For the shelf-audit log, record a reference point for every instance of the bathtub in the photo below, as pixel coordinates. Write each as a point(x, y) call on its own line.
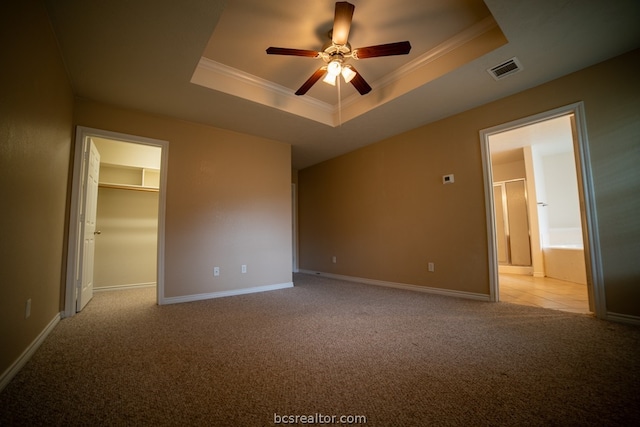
point(565, 262)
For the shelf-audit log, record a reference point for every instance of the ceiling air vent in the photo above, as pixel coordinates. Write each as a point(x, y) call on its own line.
point(505, 69)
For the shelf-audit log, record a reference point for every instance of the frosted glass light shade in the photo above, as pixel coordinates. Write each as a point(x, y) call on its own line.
point(348, 73)
point(330, 78)
point(334, 68)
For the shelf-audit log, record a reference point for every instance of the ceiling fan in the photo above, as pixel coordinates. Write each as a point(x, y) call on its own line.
point(339, 50)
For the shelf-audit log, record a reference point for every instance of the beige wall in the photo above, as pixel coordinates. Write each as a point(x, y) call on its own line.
point(126, 249)
point(228, 201)
point(509, 170)
point(383, 211)
point(35, 144)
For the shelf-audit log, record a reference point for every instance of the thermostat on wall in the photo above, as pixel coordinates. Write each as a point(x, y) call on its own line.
point(447, 179)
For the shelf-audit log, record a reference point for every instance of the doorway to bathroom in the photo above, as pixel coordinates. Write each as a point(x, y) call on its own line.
point(539, 213)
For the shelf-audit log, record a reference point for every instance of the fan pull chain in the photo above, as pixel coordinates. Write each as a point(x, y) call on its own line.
point(339, 103)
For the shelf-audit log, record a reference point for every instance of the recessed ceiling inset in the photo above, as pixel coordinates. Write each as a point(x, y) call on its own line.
point(444, 34)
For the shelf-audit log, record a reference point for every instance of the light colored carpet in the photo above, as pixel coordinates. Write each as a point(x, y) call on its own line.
point(398, 357)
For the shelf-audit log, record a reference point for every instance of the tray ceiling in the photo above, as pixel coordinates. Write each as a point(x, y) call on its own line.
point(444, 35)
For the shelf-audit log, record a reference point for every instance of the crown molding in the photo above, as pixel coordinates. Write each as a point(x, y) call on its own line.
point(426, 59)
point(217, 76)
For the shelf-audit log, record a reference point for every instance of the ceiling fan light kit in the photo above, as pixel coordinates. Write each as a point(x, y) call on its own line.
point(339, 50)
point(334, 67)
point(330, 79)
point(347, 73)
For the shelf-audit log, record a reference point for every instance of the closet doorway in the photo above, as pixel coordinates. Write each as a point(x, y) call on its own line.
point(127, 215)
point(129, 233)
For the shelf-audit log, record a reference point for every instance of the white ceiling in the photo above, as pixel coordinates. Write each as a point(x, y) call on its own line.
point(143, 54)
point(550, 137)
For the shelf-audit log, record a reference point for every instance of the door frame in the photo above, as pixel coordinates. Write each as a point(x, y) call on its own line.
point(294, 226)
point(73, 245)
point(591, 237)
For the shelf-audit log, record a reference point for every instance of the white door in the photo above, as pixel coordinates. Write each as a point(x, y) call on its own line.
point(87, 234)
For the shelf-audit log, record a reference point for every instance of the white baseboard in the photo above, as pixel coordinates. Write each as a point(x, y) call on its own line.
point(425, 289)
point(221, 294)
point(15, 367)
point(122, 287)
point(623, 318)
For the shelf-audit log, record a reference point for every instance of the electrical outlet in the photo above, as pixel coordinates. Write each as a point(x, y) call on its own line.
point(216, 271)
point(431, 267)
point(27, 309)
point(244, 268)
point(334, 259)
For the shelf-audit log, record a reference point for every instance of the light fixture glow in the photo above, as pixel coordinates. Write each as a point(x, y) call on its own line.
point(330, 78)
point(334, 68)
point(348, 73)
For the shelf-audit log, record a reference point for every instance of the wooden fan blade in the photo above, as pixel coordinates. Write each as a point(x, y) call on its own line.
point(342, 22)
point(292, 52)
point(311, 81)
point(360, 84)
point(390, 49)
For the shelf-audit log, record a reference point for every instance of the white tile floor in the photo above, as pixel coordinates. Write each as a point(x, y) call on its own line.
point(544, 292)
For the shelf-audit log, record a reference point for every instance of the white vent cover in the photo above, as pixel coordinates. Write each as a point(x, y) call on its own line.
point(505, 69)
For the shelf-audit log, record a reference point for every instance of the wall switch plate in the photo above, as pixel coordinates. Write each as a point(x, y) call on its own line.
point(244, 268)
point(216, 271)
point(334, 259)
point(431, 266)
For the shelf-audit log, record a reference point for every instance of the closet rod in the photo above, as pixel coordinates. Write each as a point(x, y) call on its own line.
point(129, 187)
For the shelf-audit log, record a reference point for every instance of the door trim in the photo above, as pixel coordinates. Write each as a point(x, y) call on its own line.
point(583, 160)
point(82, 133)
point(294, 226)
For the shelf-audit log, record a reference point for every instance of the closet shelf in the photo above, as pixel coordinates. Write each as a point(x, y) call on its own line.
point(129, 178)
point(128, 187)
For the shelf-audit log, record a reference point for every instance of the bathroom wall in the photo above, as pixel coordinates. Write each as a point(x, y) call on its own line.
point(563, 225)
